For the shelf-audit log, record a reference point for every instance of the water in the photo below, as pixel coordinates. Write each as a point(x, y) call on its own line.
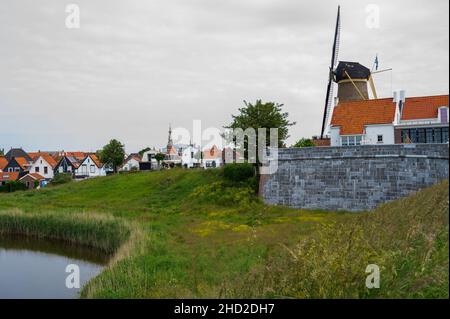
point(36, 269)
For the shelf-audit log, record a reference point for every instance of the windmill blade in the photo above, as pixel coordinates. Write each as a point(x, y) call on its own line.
point(334, 58)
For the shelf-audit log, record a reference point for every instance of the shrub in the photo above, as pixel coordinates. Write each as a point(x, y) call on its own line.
point(239, 172)
point(219, 193)
point(13, 186)
point(61, 178)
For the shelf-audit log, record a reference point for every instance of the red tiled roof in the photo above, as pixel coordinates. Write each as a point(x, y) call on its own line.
point(22, 161)
point(353, 116)
point(172, 151)
point(3, 162)
point(47, 157)
point(35, 176)
point(212, 153)
point(8, 176)
point(424, 107)
point(96, 160)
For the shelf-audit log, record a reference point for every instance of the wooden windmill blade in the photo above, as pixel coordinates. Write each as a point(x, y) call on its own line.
point(334, 58)
point(372, 86)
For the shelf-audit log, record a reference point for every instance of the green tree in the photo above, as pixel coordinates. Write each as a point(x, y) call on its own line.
point(262, 115)
point(304, 142)
point(2, 152)
point(159, 158)
point(141, 152)
point(112, 154)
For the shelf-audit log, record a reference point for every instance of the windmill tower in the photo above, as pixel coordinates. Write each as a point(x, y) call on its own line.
point(352, 79)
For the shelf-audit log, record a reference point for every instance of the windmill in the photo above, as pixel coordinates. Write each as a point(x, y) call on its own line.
point(334, 57)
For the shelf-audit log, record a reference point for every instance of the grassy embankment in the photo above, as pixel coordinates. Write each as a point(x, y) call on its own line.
point(190, 234)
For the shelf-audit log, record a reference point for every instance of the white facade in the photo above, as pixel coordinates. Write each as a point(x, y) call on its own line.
point(131, 164)
point(379, 134)
point(190, 157)
point(88, 168)
point(372, 135)
point(42, 167)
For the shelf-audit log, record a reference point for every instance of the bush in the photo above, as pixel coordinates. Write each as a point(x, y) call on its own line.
point(219, 193)
point(239, 172)
point(12, 187)
point(61, 178)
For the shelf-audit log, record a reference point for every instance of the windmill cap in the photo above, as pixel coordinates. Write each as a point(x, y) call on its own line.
point(354, 69)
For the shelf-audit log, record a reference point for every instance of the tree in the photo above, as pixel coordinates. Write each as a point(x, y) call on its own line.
point(262, 115)
point(304, 142)
point(113, 154)
point(159, 158)
point(141, 152)
point(2, 152)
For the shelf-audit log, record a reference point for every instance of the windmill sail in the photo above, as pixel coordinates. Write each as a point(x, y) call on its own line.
point(334, 58)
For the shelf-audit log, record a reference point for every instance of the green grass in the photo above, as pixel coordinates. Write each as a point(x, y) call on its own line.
point(182, 233)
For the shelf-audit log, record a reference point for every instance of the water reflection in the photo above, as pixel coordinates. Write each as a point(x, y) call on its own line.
point(31, 268)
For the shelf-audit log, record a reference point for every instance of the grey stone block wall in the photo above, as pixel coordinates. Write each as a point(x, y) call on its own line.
point(353, 178)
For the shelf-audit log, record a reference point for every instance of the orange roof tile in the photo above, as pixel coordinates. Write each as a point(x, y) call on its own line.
point(424, 107)
point(96, 160)
point(37, 176)
point(47, 157)
point(22, 161)
point(212, 153)
point(9, 176)
point(3, 162)
point(353, 116)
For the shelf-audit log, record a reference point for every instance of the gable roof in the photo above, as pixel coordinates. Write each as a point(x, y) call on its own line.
point(9, 176)
point(3, 162)
point(35, 176)
point(69, 160)
point(21, 161)
point(353, 116)
point(134, 156)
point(424, 107)
point(50, 160)
point(212, 153)
point(17, 152)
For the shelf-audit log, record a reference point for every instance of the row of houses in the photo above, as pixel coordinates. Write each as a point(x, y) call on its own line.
point(38, 168)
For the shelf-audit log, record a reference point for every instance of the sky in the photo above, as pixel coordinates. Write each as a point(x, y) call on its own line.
point(133, 67)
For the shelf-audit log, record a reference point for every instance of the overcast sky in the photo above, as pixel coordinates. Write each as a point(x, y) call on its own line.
point(134, 66)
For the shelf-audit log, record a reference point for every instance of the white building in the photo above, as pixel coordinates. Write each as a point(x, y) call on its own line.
point(43, 165)
point(131, 163)
point(90, 167)
point(212, 158)
point(390, 121)
point(190, 157)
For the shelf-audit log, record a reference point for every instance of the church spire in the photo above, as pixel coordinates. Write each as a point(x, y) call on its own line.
point(169, 141)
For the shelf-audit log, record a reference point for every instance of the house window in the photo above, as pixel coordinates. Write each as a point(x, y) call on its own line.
point(379, 138)
point(36, 169)
point(445, 134)
point(45, 170)
point(351, 140)
point(61, 169)
point(425, 135)
point(92, 169)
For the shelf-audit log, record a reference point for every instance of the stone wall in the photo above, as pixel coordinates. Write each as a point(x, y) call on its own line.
point(353, 178)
